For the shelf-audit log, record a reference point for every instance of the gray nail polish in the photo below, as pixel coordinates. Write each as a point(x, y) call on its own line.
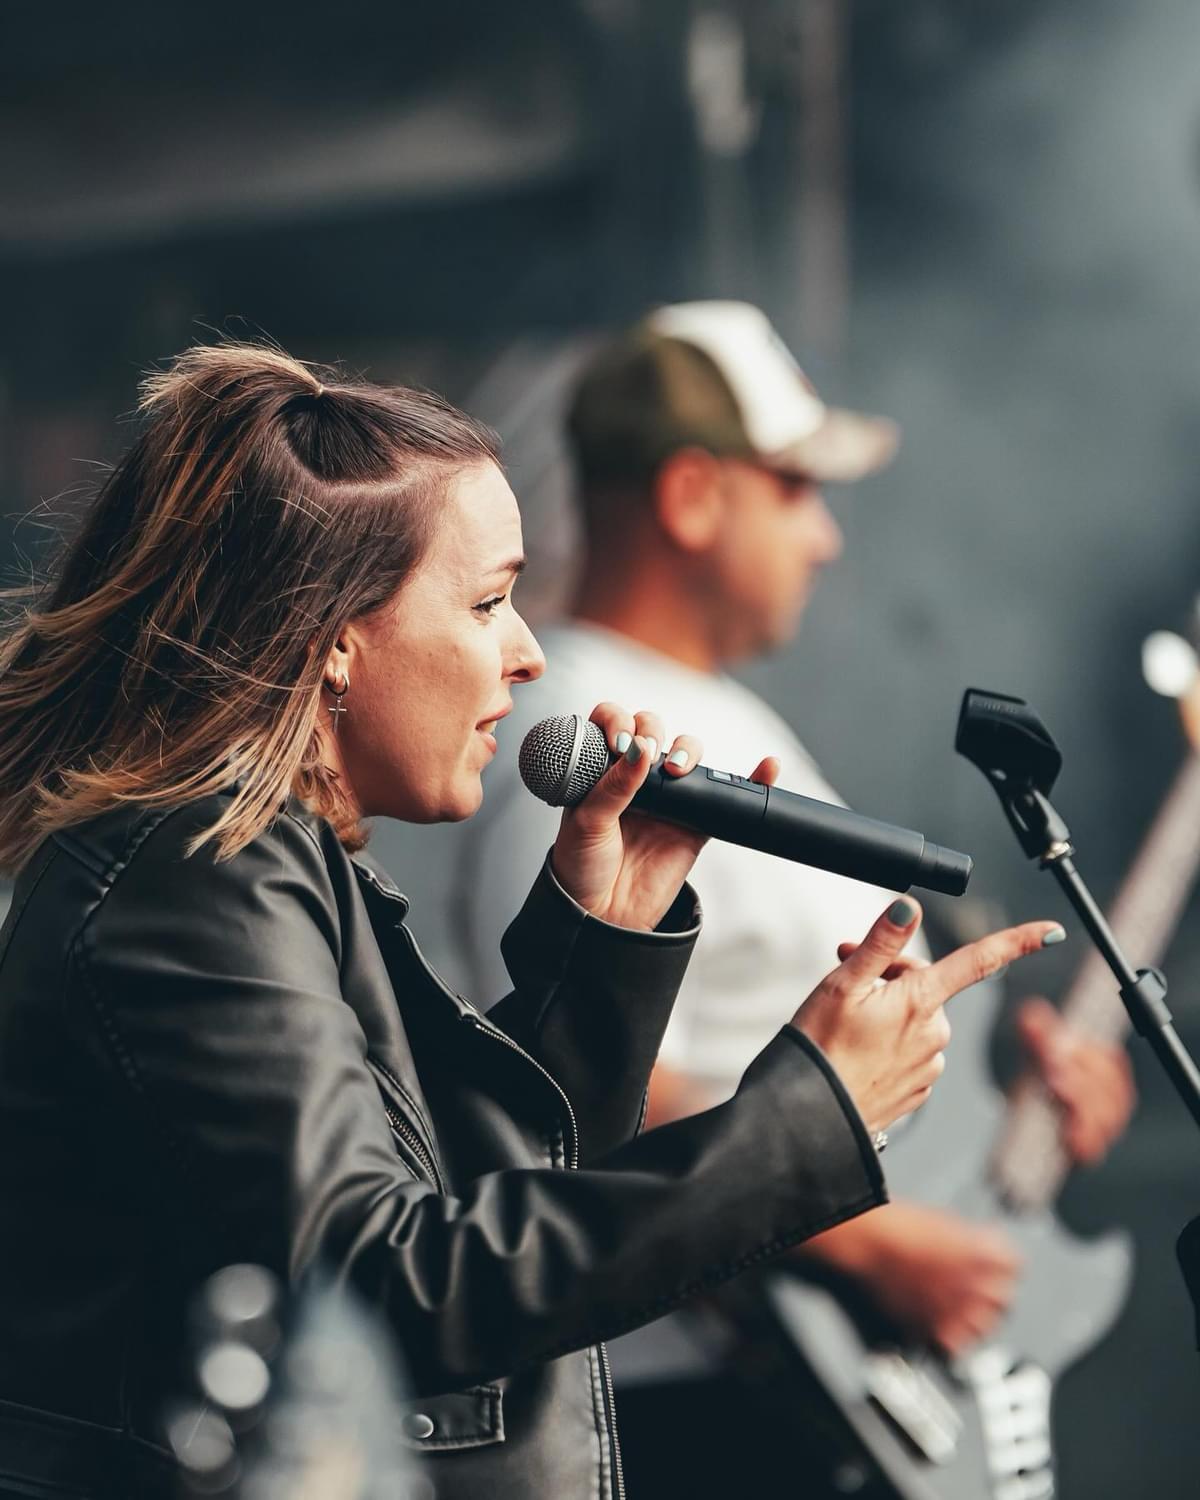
point(652, 748)
point(677, 758)
point(901, 913)
point(624, 740)
point(634, 753)
point(1055, 935)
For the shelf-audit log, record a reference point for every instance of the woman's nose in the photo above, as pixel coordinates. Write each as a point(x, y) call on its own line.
point(526, 661)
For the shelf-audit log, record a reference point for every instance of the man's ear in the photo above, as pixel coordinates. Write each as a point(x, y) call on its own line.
point(688, 502)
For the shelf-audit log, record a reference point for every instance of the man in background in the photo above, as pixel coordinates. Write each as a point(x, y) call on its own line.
point(701, 450)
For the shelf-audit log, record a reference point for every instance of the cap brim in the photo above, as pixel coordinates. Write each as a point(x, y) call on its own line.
point(847, 446)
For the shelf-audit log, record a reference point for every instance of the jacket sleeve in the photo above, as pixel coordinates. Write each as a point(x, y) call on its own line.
point(209, 996)
point(591, 1003)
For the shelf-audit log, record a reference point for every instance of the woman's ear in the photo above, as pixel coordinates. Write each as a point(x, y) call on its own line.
point(337, 661)
point(688, 502)
point(336, 678)
point(342, 660)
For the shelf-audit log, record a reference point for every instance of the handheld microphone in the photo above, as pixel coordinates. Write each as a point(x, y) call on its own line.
point(563, 757)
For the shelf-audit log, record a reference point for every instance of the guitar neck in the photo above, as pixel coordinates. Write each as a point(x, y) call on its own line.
point(1029, 1165)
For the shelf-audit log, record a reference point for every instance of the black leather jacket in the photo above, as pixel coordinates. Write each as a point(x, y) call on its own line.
point(206, 1062)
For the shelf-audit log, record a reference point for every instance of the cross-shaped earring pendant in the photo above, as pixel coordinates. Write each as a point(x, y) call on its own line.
point(338, 694)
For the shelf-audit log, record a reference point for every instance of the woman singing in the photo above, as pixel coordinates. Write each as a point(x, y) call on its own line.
point(290, 611)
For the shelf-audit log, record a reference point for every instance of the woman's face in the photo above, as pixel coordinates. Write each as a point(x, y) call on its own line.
point(432, 671)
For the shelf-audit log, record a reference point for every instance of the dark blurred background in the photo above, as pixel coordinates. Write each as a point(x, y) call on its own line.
point(980, 218)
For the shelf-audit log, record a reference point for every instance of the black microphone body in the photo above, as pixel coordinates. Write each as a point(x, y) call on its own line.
point(562, 758)
point(783, 823)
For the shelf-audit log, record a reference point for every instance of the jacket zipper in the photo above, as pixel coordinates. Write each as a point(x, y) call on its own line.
point(407, 1133)
point(494, 1031)
point(406, 1130)
point(480, 1024)
point(415, 1144)
point(610, 1399)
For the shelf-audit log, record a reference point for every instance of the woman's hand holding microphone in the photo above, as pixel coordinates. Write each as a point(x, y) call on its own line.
point(615, 862)
point(878, 1017)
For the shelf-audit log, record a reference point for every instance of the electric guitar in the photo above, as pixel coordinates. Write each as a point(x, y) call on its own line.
point(920, 1425)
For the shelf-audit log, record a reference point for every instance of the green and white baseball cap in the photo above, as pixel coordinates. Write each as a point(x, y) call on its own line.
point(714, 375)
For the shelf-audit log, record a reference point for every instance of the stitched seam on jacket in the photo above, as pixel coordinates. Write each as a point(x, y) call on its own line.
point(83, 963)
point(866, 1149)
point(41, 1419)
point(14, 914)
point(495, 1434)
point(558, 980)
point(649, 938)
point(111, 1036)
point(648, 1311)
point(110, 873)
point(80, 854)
point(110, 1032)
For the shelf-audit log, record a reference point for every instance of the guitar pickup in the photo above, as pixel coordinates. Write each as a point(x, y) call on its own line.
point(909, 1397)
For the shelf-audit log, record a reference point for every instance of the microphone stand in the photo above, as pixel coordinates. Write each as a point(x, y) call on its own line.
point(1013, 749)
point(1143, 991)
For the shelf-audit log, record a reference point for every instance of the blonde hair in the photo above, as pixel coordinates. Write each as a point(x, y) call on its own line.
point(178, 649)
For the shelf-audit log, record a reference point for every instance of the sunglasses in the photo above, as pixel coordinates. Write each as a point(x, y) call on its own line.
point(795, 485)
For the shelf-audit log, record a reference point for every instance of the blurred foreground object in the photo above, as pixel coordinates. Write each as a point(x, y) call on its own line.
point(294, 1402)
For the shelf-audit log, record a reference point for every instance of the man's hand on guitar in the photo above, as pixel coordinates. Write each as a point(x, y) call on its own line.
point(1092, 1081)
point(938, 1277)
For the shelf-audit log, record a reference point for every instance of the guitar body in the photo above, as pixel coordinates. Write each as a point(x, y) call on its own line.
point(978, 1429)
point(1071, 1291)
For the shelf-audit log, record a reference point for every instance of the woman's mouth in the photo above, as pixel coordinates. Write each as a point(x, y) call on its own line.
point(488, 727)
point(488, 730)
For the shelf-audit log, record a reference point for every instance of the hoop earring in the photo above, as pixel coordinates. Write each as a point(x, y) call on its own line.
point(338, 694)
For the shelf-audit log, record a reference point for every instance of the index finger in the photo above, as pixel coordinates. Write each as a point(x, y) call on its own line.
point(968, 965)
point(766, 773)
point(879, 950)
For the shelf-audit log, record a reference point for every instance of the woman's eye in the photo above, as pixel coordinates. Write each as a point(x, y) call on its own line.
point(488, 606)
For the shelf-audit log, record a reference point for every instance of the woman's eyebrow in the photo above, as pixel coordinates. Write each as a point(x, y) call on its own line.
point(515, 566)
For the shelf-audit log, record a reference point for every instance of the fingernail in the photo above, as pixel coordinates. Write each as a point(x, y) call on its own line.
point(624, 740)
point(634, 753)
point(677, 758)
point(1055, 935)
point(901, 913)
point(651, 748)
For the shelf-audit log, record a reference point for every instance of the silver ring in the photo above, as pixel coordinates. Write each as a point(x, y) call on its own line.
point(879, 1140)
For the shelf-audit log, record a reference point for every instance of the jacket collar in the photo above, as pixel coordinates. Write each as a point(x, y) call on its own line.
point(367, 868)
point(372, 874)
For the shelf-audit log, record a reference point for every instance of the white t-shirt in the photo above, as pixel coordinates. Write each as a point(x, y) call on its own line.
point(771, 928)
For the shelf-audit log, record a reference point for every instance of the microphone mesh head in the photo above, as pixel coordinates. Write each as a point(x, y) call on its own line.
point(559, 763)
